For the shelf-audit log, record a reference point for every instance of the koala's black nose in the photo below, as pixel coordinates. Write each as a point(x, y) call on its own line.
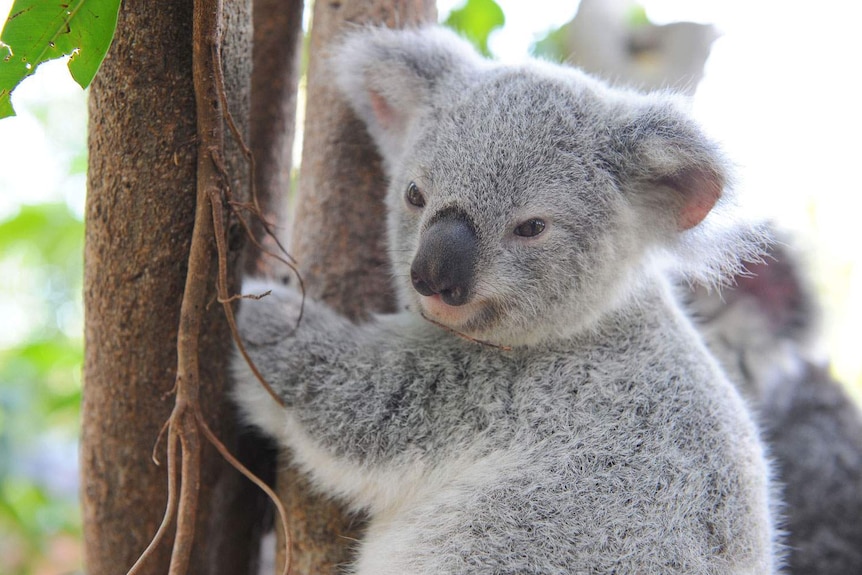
point(446, 260)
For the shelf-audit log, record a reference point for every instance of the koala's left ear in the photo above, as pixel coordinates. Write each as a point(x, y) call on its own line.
point(389, 78)
point(668, 164)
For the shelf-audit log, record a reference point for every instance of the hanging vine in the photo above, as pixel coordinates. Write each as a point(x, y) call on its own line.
point(186, 424)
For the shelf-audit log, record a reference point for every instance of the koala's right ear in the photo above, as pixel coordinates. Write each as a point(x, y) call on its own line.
point(390, 78)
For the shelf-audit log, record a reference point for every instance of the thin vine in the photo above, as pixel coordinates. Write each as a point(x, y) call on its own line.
point(186, 422)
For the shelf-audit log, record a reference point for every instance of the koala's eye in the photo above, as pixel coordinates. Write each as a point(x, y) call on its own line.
point(414, 196)
point(530, 228)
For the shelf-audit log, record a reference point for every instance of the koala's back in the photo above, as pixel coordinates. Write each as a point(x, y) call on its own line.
point(612, 455)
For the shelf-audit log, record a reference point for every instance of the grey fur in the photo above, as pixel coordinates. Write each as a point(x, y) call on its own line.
point(762, 333)
point(606, 440)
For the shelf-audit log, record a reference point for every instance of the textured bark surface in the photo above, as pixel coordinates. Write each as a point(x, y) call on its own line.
point(277, 52)
point(338, 241)
point(140, 213)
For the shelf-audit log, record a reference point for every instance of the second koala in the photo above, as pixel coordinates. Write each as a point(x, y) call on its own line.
point(558, 414)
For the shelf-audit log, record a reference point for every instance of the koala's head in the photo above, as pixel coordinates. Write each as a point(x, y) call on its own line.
point(522, 200)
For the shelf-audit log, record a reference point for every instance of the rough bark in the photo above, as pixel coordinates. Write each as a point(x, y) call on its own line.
point(338, 242)
point(140, 214)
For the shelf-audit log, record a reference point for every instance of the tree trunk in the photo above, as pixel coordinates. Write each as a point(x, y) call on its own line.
point(338, 242)
point(140, 214)
point(277, 51)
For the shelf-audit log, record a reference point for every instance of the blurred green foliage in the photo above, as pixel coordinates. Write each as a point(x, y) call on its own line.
point(41, 353)
point(43, 162)
point(553, 47)
point(475, 20)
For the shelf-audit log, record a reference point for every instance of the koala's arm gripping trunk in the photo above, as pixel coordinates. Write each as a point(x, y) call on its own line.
point(345, 385)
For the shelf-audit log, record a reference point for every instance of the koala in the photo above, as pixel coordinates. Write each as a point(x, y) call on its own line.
point(541, 404)
point(762, 332)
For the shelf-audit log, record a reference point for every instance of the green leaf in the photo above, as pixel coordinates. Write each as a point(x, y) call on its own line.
point(553, 46)
point(40, 30)
point(476, 19)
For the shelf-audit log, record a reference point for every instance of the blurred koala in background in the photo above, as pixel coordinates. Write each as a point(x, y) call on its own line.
point(614, 40)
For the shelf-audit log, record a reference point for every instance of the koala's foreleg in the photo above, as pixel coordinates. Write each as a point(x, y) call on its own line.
point(346, 417)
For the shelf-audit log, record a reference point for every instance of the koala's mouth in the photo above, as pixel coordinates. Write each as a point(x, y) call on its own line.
point(472, 318)
point(452, 315)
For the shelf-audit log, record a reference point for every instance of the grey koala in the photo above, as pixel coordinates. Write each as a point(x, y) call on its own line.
point(762, 331)
point(542, 405)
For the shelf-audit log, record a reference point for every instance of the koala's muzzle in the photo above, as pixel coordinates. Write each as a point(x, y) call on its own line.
point(446, 260)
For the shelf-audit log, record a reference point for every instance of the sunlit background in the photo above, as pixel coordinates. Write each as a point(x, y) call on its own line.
point(781, 91)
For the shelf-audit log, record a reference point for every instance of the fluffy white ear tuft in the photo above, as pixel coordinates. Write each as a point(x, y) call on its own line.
point(665, 163)
point(679, 183)
point(390, 78)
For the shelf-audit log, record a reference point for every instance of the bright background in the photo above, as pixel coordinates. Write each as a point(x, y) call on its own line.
point(781, 91)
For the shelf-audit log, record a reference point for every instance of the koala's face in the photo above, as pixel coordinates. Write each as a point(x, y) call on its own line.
point(503, 216)
point(521, 200)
